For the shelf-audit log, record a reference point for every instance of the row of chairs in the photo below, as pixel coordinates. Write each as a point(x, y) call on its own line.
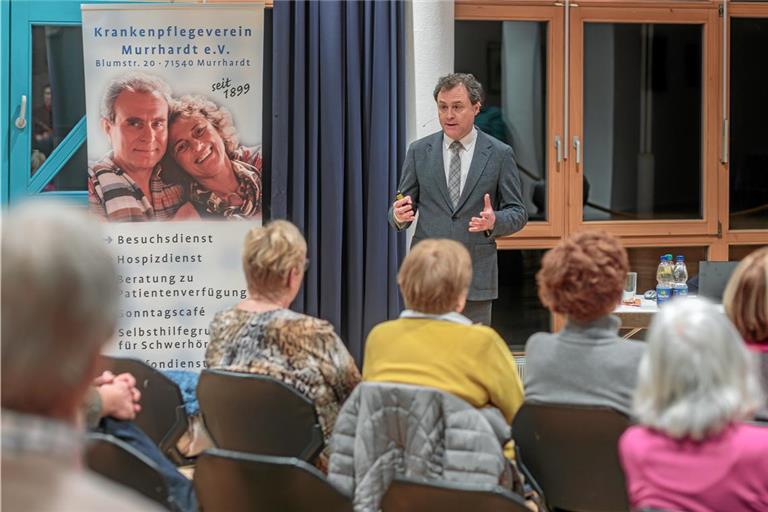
point(228, 481)
point(163, 416)
point(233, 481)
point(570, 451)
point(234, 406)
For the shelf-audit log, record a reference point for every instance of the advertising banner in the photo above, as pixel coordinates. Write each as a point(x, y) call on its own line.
point(174, 120)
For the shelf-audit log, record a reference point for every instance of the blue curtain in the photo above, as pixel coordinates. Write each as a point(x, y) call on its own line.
point(338, 139)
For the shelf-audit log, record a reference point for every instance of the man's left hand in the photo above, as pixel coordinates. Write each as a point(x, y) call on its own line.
point(486, 220)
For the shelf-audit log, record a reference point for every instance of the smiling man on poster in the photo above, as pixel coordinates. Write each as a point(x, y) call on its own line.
point(465, 185)
point(126, 185)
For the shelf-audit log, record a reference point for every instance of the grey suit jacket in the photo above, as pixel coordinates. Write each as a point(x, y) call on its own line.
point(493, 170)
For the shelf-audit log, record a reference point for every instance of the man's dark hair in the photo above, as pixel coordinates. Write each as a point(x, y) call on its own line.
point(448, 82)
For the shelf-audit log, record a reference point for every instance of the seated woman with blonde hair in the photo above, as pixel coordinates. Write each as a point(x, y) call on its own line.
point(586, 362)
point(746, 304)
point(261, 335)
point(433, 345)
point(691, 449)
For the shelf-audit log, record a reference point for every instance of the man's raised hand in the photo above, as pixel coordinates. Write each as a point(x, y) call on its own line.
point(487, 218)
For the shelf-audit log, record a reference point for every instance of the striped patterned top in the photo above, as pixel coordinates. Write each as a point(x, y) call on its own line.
point(113, 195)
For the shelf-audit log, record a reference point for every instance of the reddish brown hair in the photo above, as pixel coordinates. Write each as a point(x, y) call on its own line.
point(583, 276)
point(746, 297)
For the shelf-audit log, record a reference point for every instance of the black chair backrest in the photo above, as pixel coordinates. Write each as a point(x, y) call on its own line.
point(120, 462)
point(713, 277)
point(162, 416)
point(253, 413)
point(229, 481)
point(572, 452)
point(411, 495)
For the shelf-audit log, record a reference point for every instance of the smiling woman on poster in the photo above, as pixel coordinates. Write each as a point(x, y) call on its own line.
point(224, 178)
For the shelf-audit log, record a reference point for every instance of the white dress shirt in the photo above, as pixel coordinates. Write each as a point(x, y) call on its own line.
point(466, 156)
point(454, 317)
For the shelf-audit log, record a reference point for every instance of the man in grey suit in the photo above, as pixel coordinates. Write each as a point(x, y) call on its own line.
point(466, 186)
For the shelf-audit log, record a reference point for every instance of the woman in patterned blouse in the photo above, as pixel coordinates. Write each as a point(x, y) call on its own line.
point(261, 335)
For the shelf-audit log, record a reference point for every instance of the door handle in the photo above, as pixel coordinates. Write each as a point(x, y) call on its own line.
point(577, 147)
point(21, 121)
point(558, 149)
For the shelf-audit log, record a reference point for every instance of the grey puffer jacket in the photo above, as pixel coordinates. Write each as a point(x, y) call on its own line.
point(387, 430)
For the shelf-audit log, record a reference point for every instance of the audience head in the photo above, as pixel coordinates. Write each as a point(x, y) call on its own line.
point(274, 259)
point(434, 278)
point(583, 276)
point(60, 304)
point(746, 297)
point(696, 376)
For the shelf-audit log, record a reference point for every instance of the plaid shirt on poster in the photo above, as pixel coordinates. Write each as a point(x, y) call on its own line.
point(113, 195)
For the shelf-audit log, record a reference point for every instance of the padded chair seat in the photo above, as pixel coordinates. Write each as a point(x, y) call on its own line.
point(228, 481)
point(572, 452)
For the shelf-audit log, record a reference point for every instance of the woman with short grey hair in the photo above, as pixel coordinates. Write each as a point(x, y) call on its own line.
point(697, 384)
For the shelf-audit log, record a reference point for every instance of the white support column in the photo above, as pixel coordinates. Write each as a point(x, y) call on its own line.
point(429, 39)
point(429, 55)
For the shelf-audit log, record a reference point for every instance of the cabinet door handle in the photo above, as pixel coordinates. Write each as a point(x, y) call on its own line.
point(21, 121)
point(577, 147)
point(558, 149)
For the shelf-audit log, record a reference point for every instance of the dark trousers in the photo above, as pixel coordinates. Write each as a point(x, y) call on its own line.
point(479, 311)
point(180, 488)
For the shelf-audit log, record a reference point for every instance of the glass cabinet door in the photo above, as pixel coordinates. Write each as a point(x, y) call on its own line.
point(517, 56)
point(748, 148)
point(643, 123)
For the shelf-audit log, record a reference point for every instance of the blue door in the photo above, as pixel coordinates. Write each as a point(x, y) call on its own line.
point(46, 100)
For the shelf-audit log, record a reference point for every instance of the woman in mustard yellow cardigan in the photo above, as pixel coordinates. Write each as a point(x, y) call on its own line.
point(433, 345)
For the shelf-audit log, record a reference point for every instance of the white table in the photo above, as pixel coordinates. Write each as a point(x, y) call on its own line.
point(636, 318)
point(639, 317)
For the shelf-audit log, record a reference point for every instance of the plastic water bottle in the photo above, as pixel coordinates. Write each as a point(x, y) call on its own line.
point(680, 278)
point(664, 280)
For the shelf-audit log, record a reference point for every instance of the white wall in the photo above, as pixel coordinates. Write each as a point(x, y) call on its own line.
point(429, 47)
point(429, 55)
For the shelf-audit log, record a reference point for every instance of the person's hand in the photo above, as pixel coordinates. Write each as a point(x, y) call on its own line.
point(487, 218)
point(105, 378)
point(186, 212)
point(402, 210)
point(130, 381)
point(117, 401)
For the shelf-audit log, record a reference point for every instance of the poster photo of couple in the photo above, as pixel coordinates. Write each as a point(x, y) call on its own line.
point(163, 141)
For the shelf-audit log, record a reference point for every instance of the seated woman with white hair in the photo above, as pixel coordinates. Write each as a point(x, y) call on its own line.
point(697, 384)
